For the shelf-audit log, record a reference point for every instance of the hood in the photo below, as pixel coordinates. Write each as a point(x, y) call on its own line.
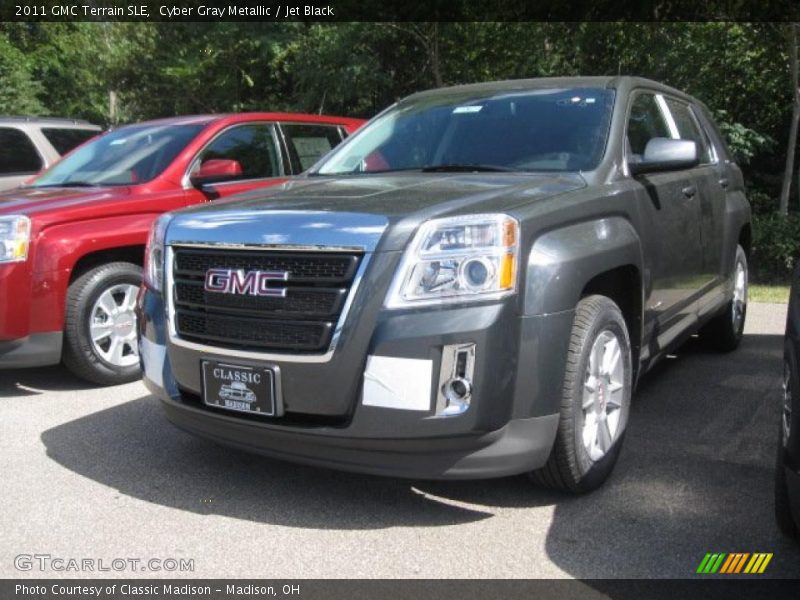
point(33, 201)
point(356, 211)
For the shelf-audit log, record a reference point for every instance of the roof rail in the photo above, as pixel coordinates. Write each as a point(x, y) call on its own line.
point(44, 119)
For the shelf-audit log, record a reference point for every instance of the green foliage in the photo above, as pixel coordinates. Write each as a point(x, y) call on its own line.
point(743, 142)
point(70, 62)
point(776, 246)
point(343, 69)
point(761, 202)
point(740, 70)
point(19, 92)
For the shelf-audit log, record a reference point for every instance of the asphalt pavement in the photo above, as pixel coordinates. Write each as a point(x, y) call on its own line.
point(99, 474)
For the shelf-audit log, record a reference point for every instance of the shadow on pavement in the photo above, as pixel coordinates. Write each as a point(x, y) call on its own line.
point(694, 476)
point(133, 448)
point(38, 380)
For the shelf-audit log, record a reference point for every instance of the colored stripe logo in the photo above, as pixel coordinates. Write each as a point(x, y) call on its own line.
point(734, 563)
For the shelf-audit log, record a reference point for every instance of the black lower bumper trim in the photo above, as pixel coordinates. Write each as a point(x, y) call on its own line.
point(522, 445)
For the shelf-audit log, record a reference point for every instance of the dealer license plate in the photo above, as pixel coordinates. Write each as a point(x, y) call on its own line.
point(239, 388)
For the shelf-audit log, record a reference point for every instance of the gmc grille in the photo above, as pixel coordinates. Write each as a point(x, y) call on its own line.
point(303, 321)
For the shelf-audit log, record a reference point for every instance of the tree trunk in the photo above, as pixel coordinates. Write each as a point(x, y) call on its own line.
point(790, 150)
point(112, 107)
point(433, 54)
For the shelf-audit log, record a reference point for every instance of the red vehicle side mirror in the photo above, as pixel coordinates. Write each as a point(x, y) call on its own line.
point(216, 169)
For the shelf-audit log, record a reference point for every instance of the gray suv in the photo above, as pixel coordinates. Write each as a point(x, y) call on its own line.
point(468, 287)
point(30, 144)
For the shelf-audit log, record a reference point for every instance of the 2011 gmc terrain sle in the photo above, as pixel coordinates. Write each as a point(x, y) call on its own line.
point(468, 287)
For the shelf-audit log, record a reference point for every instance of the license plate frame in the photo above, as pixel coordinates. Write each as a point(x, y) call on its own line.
point(239, 388)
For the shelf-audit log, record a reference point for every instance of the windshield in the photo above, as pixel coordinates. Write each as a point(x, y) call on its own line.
point(126, 156)
point(531, 130)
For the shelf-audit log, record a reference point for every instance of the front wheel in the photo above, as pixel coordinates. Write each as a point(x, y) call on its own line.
point(100, 324)
point(595, 402)
point(724, 332)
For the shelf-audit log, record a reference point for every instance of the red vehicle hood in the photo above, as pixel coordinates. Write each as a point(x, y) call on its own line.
point(33, 201)
point(51, 205)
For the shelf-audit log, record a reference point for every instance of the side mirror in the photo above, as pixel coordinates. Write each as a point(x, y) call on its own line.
point(666, 154)
point(214, 170)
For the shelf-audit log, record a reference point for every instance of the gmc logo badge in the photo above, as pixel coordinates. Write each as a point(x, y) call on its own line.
point(252, 283)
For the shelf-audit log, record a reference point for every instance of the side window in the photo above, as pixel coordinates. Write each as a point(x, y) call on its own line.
point(687, 127)
point(308, 143)
point(64, 140)
point(18, 155)
point(252, 146)
point(645, 123)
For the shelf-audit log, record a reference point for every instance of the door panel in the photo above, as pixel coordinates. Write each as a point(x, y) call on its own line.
point(671, 210)
point(675, 277)
point(707, 177)
point(712, 209)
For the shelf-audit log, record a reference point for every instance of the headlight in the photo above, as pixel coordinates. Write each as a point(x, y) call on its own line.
point(458, 259)
point(15, 237)
point(154, 253)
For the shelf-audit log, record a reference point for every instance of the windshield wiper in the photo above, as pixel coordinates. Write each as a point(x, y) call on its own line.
point(68, 184)
point(359, 172)
point(466, 168)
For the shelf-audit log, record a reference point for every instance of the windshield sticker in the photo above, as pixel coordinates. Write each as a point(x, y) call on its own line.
point(466, 109)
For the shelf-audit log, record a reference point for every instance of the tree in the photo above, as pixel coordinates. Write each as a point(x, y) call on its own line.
point(19, 92)
point(792, 37)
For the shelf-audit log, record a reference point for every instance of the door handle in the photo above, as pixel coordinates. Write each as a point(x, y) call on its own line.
point(724, 182)
point(689, 191)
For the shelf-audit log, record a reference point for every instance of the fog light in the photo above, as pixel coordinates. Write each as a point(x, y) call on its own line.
point(455, 380)
point(457, 389)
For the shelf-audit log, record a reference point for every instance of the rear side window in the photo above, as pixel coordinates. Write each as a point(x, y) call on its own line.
point(308, 143)
point(687, 127)
point(64, 140)
point(645, 123)
point(18, 155)
point(252, 146)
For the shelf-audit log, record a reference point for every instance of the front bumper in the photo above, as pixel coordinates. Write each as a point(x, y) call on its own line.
point(31, 316)
point(520, 446)
point(35, 350)
point(508, 429)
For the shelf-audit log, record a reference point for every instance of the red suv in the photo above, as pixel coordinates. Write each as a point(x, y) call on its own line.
point(72, 240)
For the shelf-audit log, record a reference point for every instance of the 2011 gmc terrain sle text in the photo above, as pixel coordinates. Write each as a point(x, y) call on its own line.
point(468, 287)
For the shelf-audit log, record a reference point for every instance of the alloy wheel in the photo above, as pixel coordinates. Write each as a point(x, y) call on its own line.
point(739, 295)
point(603, 395)
point(112, 326)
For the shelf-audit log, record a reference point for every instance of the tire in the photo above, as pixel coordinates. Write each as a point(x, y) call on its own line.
point(724, 332)
point(783, 509)
point(99, 344)
point(580, 460)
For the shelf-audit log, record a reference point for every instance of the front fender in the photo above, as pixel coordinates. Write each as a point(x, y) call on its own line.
point(58, 248)
point(562, 261)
